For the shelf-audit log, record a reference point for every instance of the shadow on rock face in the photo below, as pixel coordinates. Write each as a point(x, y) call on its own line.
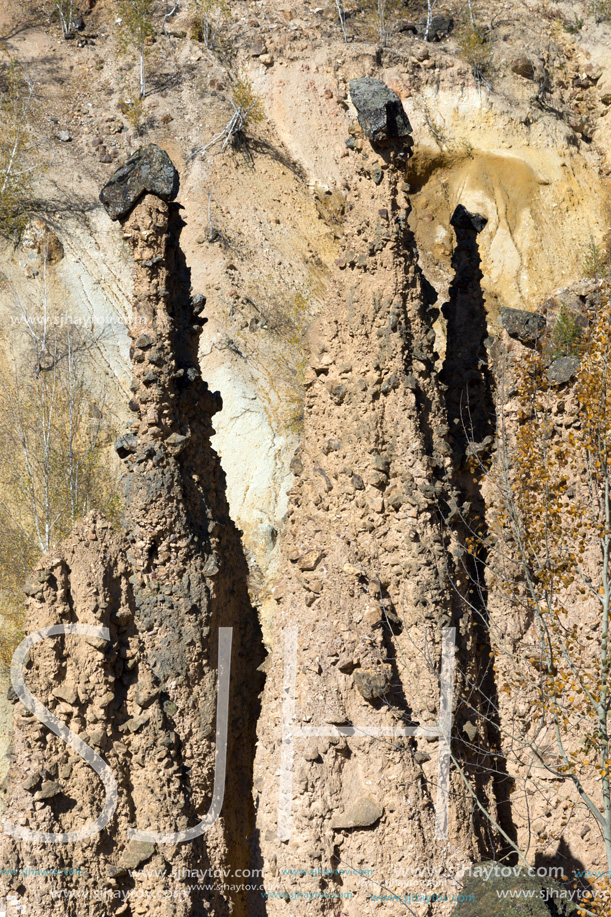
point(465, 369)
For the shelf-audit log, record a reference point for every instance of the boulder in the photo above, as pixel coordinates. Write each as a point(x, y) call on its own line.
point(97, 734)
point(177, 441)
point(526, 67)
point(441, 26)
point(48, 790)
point(482, 890)
point(380, 110)
point(310, 561)
point(562, 370)
point(126, 444)
point(373, 683)
point(526, 327)
point(604, 88)
point(32, 783)
point(66, 693)
point(135, 854)
point(258, 48)
point(149, 170)
point(364, 813)
point(135, 723)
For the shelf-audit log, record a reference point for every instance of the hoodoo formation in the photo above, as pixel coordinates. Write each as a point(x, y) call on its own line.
point(304, 423)
point(365, 590)
point(171, 590)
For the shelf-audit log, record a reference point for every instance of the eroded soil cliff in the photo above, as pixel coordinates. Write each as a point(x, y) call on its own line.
point(406, 247)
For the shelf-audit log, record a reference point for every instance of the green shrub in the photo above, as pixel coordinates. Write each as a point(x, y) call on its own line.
point(600, 9)
point(246, 101)
point(574, 27)
point(19, 164)
point(133, 109)
point(567, 336)
point(474, 48)
point(267, 328)
point(208, 21)
point(596, 260)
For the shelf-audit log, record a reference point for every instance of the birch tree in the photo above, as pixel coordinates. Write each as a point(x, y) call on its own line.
point(54, 436)
point(67, 13)
point(18, 163)
point(430, 6)
point(135, 32)
point(209, 18)
point(380, 12)
point(341, 13)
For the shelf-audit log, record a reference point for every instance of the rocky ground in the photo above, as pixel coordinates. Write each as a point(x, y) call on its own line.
point(335, 510)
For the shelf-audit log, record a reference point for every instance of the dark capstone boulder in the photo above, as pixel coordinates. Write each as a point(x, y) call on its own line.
point(526, 327)
point(562, 370)
point(488, 891)
point(380, 110)
point(148, 170)
point(441, 26)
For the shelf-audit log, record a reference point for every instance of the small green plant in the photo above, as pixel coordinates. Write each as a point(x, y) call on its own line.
point(574, 27)
point(208, 21)
point(18, 163)
point(596, 260)
point(133, 109)
point(136, 32)
point(246, 101)
point(600, 10)
point(474, 48)
point(567, 336)
point(466, 149)
point(247, 110)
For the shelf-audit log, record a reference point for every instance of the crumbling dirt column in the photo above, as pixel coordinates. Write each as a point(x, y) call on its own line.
point(143, 697)
point(366, 570)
